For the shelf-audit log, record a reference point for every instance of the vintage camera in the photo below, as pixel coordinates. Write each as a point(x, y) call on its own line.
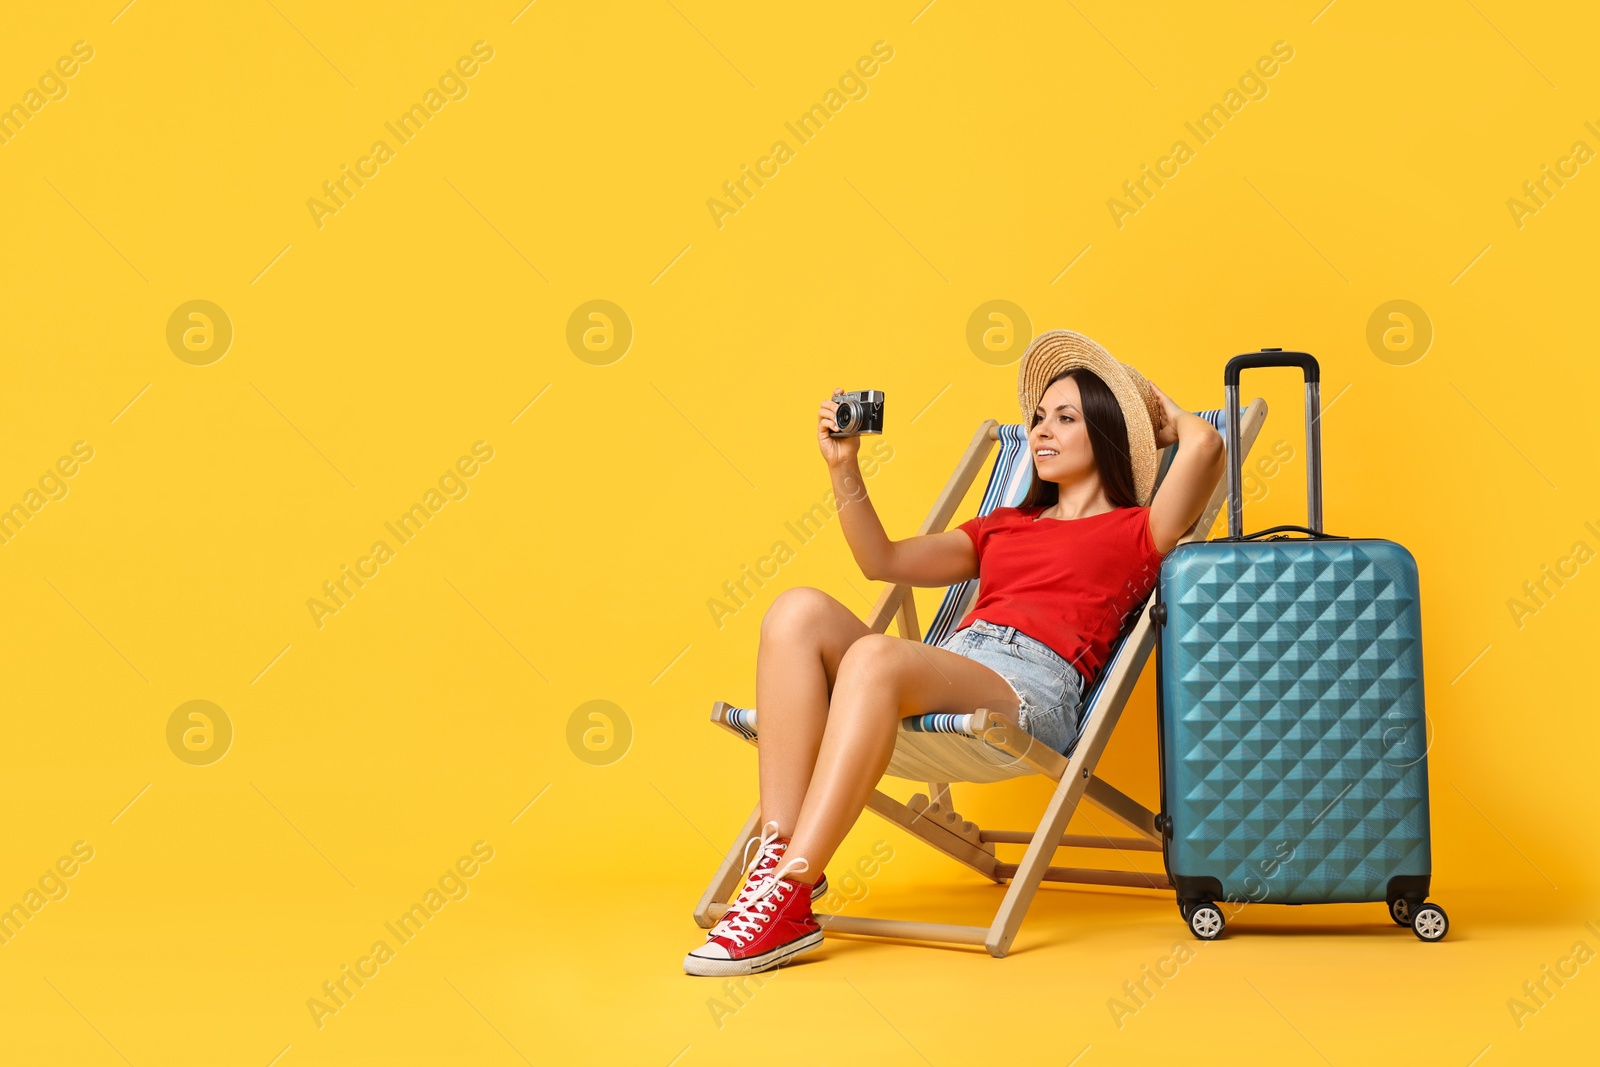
point(859, 412)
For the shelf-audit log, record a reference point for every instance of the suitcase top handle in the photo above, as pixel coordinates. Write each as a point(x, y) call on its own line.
point(1272, 357)
point(1275, 357)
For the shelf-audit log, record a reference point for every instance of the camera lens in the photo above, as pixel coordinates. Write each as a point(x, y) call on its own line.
point(844, 416)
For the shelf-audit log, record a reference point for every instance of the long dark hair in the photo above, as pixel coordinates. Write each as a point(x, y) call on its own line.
point(1108, 437)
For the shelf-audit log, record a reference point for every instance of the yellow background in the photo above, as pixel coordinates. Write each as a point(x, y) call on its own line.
point(368, 354)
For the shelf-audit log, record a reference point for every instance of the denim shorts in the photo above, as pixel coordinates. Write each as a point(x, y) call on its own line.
point(1049, 689)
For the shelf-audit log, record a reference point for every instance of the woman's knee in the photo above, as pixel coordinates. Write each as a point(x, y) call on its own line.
point(801, 610)
point(874, 660)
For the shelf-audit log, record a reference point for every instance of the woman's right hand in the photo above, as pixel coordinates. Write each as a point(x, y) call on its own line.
point(838, 451)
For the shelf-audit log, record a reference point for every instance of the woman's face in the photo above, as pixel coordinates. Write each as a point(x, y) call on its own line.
point(1059, 439)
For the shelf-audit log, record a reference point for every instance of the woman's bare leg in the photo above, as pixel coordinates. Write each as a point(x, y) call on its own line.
point(881, 679)
point(804, 636)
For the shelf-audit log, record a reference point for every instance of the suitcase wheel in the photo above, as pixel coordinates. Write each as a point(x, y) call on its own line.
point(1430, 923)
point(1400, 911)
point(1206, 921)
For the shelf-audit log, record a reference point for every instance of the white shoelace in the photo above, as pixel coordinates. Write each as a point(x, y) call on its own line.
point(769, 834)
point(745, 918)
point(765, 847)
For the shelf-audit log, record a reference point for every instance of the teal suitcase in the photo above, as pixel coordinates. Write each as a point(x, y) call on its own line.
point(1291, 725)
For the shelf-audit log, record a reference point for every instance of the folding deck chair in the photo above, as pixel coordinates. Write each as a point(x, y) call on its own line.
point(943, 747)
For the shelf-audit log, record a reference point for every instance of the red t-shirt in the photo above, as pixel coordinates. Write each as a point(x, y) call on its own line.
point(1066, 582)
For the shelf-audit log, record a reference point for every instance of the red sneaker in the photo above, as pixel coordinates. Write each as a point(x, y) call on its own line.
point(769, 850)
point(769, 930)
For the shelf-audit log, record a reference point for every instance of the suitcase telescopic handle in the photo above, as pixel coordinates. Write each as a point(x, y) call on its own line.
point(1275, 357)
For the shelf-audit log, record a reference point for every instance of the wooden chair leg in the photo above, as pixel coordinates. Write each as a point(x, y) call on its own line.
point(1068, 793)
point(728, 874)
point(1031, 871)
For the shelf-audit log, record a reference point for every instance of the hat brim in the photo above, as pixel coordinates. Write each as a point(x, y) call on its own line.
point(1058, 350)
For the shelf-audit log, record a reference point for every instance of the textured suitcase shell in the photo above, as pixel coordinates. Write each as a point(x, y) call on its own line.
point(1292, 725)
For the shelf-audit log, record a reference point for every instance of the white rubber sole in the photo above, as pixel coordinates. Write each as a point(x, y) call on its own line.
point(715, 968)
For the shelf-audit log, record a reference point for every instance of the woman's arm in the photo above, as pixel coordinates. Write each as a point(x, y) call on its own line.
point(1192, 477)
point(926, 560)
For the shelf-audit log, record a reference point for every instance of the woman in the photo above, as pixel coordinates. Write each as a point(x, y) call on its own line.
point(1058, 575)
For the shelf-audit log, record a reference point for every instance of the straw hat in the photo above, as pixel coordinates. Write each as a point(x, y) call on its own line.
point(1059, 350)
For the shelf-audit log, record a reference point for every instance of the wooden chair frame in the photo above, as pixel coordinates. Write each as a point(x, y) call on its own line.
point(932, 818)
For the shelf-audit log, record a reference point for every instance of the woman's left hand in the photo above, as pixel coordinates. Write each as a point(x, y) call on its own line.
point(1167, 432)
